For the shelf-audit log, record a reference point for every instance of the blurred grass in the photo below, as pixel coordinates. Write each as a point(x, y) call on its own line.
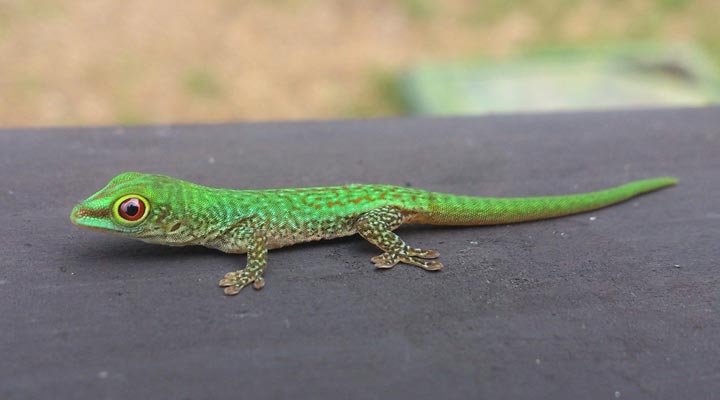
point(421, 9)
point(384, 97)
point(201, 82)
point(108, 62)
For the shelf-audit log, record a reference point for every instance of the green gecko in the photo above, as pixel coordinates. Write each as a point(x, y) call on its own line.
point(165, 210)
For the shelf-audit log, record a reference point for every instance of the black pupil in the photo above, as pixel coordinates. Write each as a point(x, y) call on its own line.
point(131, 209)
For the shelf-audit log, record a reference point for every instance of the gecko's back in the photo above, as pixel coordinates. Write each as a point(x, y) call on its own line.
point(305, 214)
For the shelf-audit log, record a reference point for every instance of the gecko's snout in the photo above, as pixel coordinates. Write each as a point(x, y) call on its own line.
point(74, 214)
point(86, 217)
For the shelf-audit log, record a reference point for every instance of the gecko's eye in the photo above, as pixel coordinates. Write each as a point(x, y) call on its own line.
point(131, 209)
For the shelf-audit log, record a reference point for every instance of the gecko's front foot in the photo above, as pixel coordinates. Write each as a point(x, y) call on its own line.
point(234, 281)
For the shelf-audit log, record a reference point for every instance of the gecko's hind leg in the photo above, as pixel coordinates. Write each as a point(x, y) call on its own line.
point(377, 226)
point(234, 281)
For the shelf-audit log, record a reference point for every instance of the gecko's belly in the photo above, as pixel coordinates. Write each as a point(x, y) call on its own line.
point(302, 228)
point(283, 235)
point(275, 242)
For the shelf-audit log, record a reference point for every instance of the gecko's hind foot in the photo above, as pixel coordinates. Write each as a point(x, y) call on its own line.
point(389, 260)
point(377, 227)
point(233, 282)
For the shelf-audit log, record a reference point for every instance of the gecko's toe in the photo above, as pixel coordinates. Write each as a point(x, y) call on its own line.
point(259, 283)
point(385, 260)
point(232, 290)
point(426, 265)
point(424, 253)
point(432, 266)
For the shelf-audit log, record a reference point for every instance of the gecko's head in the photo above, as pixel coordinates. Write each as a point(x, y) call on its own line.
point(131, 204)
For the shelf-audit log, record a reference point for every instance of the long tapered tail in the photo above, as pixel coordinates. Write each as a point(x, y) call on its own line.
point(448, 209)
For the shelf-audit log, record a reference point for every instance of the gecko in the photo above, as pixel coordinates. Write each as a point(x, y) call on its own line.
point(165, 210)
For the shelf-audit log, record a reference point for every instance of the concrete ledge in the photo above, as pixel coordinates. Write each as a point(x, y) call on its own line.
point(624, 304)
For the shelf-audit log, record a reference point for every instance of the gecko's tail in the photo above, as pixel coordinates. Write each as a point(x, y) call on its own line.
point(448, 209)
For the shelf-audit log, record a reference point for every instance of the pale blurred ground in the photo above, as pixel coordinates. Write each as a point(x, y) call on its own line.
point(81, 62)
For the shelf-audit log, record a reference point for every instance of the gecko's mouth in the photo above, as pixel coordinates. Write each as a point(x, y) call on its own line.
point(89, 219)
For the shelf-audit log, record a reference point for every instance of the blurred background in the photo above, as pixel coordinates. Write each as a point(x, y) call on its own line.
point(80, 62)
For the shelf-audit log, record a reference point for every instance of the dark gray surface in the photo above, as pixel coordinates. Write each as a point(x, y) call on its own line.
point(625, 304)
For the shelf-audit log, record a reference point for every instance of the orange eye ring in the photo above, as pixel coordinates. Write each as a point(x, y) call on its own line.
point(131, 209)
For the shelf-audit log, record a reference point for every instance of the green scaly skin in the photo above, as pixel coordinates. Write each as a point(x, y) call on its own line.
point(180, 213)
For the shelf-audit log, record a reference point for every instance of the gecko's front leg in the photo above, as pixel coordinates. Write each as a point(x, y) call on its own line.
point(257, 250)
